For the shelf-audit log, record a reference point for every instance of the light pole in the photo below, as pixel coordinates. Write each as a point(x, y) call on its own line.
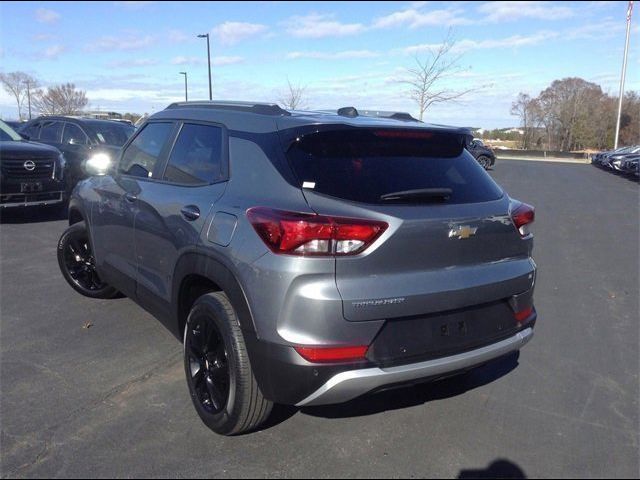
point(624, 73)
point(186, 95)
point(206, 35)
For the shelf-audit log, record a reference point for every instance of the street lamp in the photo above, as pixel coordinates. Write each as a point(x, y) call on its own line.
point(186, 96)
point(206, 35)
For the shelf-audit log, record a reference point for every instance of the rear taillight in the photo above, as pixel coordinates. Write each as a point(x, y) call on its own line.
point(522, 315)
point(332, 354)
point(305, 234)
point(522, 215)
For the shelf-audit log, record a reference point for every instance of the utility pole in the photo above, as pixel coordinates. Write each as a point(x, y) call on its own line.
point(186, 95)
point(206, 35)
point(624, 73)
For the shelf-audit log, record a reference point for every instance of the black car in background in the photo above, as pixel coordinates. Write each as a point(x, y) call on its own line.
point(78, 139)
point(30, 173)
point(483, 154)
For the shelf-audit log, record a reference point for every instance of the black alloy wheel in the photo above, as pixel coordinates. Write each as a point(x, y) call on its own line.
point(221, 383)
point(208, 365)
point(78, 266)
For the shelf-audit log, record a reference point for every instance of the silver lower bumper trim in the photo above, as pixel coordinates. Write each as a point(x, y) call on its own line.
point(348, 385)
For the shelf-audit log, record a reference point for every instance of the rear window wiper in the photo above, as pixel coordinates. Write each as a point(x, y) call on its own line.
point(417, 195)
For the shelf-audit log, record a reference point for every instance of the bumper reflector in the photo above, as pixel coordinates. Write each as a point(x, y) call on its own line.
point(332, 354)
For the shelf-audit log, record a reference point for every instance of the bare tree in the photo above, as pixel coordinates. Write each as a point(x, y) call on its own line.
point(18, 84)
point(523, 108)
point(60, 100)
point(425, 80)
point(294, 97)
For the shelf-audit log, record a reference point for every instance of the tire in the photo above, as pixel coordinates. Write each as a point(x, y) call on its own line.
point(76, 262)
point(221, 383)
point(484, 161)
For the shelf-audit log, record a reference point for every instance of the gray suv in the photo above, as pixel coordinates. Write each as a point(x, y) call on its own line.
point(305, 258)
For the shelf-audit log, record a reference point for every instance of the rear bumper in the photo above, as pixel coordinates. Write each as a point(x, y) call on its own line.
point(348, 385)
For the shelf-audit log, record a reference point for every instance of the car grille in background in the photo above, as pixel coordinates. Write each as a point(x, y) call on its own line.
point(14, 168)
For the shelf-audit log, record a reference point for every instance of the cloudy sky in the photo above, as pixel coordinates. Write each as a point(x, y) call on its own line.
point(127, 55)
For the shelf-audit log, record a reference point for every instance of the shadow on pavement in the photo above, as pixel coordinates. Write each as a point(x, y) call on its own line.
point(498, 469)
point(33, 214)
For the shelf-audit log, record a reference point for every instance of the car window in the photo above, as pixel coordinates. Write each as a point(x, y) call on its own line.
point(33, 130)
point(51, 132)
point(74, 135)
point(111, 133)
point(364, 165)
point(141, 156)
point(197, 156)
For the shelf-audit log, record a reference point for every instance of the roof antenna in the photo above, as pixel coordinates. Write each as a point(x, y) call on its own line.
point(348, 112)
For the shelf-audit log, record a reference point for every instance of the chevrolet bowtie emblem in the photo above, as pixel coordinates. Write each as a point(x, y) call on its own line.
point(463, 231)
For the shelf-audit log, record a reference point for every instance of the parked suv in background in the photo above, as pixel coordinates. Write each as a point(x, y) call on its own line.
point(305, 258)
point(483, 154)
point(79, 139)
point(31, 174)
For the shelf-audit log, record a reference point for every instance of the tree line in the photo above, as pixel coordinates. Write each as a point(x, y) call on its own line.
point(64, 99)
point(574, 114)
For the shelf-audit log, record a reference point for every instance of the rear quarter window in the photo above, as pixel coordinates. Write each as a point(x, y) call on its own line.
point(363, 165)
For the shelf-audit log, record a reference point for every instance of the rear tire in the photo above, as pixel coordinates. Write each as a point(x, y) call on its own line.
point(76, 262)
point(221, 383)
point(484, 161)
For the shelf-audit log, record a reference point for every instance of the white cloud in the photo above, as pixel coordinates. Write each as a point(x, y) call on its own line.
point(134, 5)
point(510, 11)
point(603, 29)
point(215, 61)
point(54, 51)
point(230, 33)
point(222, 61)
point(43, 37)
point(414, 18)
point(346, 54)
point(182, 60)
point(177, 36)
point(317, 25)
point(123, 42)
point(514, 41)
point(135, 62)
point(44, 15)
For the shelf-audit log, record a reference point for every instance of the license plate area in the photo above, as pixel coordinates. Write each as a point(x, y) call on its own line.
point(31, 187)
point(420, 338)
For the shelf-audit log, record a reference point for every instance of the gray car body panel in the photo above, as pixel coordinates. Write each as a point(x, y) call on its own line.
point(413, 268)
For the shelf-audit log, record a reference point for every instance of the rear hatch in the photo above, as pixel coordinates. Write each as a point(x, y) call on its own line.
point(450, 241)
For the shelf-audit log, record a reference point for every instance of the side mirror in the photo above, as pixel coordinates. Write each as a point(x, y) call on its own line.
point(98, 164)
point(25, 136)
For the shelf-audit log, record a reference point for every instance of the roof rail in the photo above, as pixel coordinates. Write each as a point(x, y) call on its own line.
point(252, 107)
point(404, 116)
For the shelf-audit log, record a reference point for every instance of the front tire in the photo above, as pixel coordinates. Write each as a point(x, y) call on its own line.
point(221, 383)
point(77, 264)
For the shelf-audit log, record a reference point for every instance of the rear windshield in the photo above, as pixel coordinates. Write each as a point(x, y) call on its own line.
point(365, 165)
point(112, 133)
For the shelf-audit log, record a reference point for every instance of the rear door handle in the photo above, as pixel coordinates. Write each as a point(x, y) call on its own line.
point(190, 212)
point(130, 197)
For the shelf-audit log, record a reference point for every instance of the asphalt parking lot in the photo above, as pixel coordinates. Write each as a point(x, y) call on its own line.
point(111, 399)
